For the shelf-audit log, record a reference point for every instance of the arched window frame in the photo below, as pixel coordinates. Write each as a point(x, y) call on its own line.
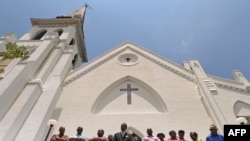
point(59, 31)
point(39, 34)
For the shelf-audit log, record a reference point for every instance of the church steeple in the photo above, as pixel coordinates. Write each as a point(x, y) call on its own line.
point(75, 19)
point(80, 13)
point(56, 46)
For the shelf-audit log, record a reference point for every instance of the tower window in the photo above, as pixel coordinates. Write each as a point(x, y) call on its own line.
point(59, 31)
point(72, 42)
point(74, 60)
point(39, 35)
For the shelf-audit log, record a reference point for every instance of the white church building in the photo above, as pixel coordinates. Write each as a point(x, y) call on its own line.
point(126, 84)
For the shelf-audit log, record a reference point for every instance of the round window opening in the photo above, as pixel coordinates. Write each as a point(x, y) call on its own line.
point(128, 59)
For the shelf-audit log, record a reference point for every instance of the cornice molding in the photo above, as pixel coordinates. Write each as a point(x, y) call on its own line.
point(96, 63)
point(228, 84)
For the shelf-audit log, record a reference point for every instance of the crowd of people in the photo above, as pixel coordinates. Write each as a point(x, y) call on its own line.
point(123, 135)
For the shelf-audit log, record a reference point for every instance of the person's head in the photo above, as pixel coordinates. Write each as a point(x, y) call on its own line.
point(193, 136)
point(79, 130)
point(135, 138)
point(100, 133)
point(123, 127)
point(172, 134)
point(149, 131)
point(213, 129)
point(110, 137)
point(161, 136)
point(181, 134)
point(61, 130)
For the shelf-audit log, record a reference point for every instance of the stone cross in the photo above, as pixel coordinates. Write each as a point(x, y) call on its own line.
point(127, 59)
point(129, 90)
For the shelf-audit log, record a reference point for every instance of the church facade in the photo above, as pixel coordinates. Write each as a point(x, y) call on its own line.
point(127, 84)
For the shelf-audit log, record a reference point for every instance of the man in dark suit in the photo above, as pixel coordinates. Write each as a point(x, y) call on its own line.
point(122, 135)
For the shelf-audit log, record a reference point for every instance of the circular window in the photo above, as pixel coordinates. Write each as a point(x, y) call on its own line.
point(128, 59)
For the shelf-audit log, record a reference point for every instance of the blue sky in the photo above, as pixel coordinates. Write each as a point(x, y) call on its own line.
point(215, 32)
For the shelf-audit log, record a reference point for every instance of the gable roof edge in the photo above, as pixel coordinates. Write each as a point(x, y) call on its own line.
point(173, 67)
point(228, 84)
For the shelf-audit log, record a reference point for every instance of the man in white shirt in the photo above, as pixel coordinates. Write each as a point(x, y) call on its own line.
point(79, 136)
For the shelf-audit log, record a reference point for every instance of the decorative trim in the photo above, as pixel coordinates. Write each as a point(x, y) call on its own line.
point(87, 70)
point(210, 85)
point(37, 81)
point(128, 59)
point(160, 63)
point(235, 85)
point(220, 85)
point(99, 103)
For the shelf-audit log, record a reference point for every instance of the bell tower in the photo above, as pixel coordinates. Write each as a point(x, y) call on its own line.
point(69, 29)
point(31, 86)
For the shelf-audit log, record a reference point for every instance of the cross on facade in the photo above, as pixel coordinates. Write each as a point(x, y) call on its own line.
point(129, 90)
point(127, 59)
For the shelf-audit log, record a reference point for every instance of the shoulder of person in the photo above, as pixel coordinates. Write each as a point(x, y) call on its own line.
point(222, 136)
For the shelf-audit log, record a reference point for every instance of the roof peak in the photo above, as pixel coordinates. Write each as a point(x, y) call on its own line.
point(80, 13)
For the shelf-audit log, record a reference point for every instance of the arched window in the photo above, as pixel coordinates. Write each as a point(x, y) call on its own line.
point(39, 34)
point(72, 42)
point(74, 60)
point(59, 31)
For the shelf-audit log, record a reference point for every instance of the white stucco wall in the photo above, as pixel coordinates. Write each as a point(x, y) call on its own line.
point(184, 109)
